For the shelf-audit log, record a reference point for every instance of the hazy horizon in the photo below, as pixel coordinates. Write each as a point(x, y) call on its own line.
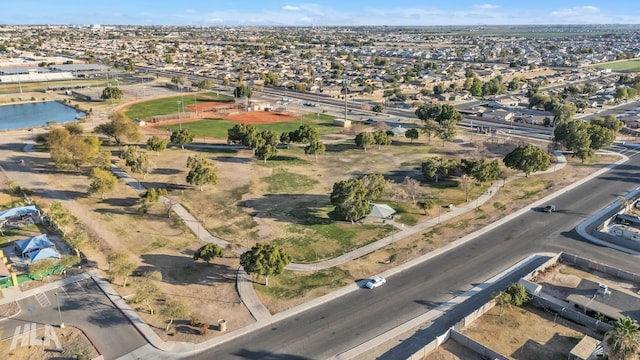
point(320, 13)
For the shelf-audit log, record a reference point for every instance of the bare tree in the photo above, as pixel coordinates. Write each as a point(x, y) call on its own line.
point(412, 188)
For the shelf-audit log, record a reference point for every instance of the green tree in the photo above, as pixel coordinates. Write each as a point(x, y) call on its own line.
point(429, 128)
point(518, 294)
point(111, 93)
point(375, 185)
point(120, 128)
point(434, 168)
point(175, 310)
point(412, 134)
point(147, 290)
point(265, 152)
point(622, 339)
point(482, 170)
point(610, 122)
point(381, 138)
point(266, 260)
point(476, 87)
point(242, 90)
point(270, 137)
point(527, 158)
point(58, 215)
point(157, 144)
point(76, 240)
point(201, 172)
point(378, 108)
point(305, 134)
point(447, 131)
point(601, 137)
point(82, 149)
point(142, 165)
point(103, 160)
point(576, 137)
point(621, 93)
point(208, 252)
point(102, 181)
point(120, 266)
point(426, 204)
point(241, 134)
point(350, 198)
point(182, 137)
point(315, 148)
point(503, 299)
point(364, 139)
point(74, 128)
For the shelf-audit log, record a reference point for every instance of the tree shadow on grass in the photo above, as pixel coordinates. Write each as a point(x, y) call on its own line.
point(183, 270)
point(304, 209)
point(339, 147)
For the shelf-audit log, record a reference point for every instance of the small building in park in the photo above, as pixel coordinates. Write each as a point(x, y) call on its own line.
point(345, 123)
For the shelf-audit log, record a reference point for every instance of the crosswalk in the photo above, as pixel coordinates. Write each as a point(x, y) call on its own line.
point(625, 150)
point(42, 299)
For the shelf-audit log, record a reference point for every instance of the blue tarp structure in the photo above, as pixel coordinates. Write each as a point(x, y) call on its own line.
point(24, 210)
point(45, 253)
point(33, 244)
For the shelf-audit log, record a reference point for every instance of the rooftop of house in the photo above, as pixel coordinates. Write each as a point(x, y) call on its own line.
point(616, 304)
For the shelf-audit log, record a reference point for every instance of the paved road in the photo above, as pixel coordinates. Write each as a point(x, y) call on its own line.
point(339, 325)
point(81, 304)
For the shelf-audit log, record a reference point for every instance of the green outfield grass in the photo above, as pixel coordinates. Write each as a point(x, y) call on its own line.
point(623, 66)
point(170, 105)
point(217, 128)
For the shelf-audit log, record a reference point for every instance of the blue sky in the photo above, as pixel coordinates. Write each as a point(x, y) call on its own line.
point(329, 12)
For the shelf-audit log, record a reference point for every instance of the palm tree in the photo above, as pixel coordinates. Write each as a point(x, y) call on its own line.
point(622, 340)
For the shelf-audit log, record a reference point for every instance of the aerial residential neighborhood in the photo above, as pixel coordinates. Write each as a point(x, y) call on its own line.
point(319, 181)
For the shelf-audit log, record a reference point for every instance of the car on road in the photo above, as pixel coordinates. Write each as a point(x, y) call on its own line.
point(549, 208)
point(368, 121)
point(375, 282)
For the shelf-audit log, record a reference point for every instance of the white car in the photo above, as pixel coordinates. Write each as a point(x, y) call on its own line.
point(375, 282)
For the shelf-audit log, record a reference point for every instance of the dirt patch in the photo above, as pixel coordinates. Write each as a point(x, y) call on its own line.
point(72, 341)
point(527, 333)
point(8, 310)
point(259, 117)
point(560, 280)
point(452, 350)
point(209, 291)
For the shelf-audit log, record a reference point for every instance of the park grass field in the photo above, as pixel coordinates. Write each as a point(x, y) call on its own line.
point(622, 66)
point(217, 128)
point(170, 105)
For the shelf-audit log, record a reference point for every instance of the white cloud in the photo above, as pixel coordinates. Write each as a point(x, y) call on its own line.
point(190, 11)
point(576, 11)
point(481, 14)
point(485, 6)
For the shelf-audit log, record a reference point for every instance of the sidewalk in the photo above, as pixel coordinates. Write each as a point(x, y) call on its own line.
point(411, 230)
point(162, 349)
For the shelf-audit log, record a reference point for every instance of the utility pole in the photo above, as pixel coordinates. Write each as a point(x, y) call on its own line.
point(179, 115)
point(59, 313)
point(345, 87)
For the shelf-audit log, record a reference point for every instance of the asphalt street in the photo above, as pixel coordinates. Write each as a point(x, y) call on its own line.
point(335, 327)
point(84, 305)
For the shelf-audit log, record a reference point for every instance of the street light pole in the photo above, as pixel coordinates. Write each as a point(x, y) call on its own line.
point(179, 117)
point(345, 87)
point(59, 312)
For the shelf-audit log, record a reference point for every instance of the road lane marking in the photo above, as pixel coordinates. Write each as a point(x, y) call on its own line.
point(43, 300)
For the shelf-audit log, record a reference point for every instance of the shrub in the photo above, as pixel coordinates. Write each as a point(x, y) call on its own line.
point(204, 328)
